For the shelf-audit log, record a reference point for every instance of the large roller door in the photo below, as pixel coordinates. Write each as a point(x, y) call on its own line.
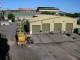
point(46, 28)
point(69, 27)
point(36, 29)
point(57, 27)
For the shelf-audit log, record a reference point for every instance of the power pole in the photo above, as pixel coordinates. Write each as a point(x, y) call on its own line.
point(0, 6)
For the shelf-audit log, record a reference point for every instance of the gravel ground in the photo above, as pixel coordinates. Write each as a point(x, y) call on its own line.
point(9, 31)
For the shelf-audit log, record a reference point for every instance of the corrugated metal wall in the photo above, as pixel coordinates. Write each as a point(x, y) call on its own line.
point(69, 27)
point(46, 28)
point(36, 29)
point(57, 27)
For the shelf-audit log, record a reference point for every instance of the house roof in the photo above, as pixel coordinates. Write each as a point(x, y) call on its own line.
point(50, 17)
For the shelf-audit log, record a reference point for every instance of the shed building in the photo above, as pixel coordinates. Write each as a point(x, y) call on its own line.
point(52, 23)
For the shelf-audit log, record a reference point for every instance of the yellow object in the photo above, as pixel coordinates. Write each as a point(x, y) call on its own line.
point(19, 26)
point(21, 36)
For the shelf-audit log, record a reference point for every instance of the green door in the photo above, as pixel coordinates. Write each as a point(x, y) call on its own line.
point(78, 31)
point(36, 29)
point(46, 28)
point(69, 27)
point(57, 27)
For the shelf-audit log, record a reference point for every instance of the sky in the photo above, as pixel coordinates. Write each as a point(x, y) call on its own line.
point(64, 5)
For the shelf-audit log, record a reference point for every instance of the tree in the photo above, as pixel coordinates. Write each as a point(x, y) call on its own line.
point(1, 15)
point(11, 16)
point(74, 15)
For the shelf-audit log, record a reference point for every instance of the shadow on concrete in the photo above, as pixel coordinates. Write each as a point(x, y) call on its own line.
point(75, 30)
point(27, 27)
point(4, 48)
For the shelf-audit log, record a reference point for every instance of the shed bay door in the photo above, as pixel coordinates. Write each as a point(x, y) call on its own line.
point(57, 27)
point(46, 28)
point(36, 29)
point(69, 27)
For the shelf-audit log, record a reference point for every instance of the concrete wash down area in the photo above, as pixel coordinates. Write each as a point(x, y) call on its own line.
point(45, 47)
